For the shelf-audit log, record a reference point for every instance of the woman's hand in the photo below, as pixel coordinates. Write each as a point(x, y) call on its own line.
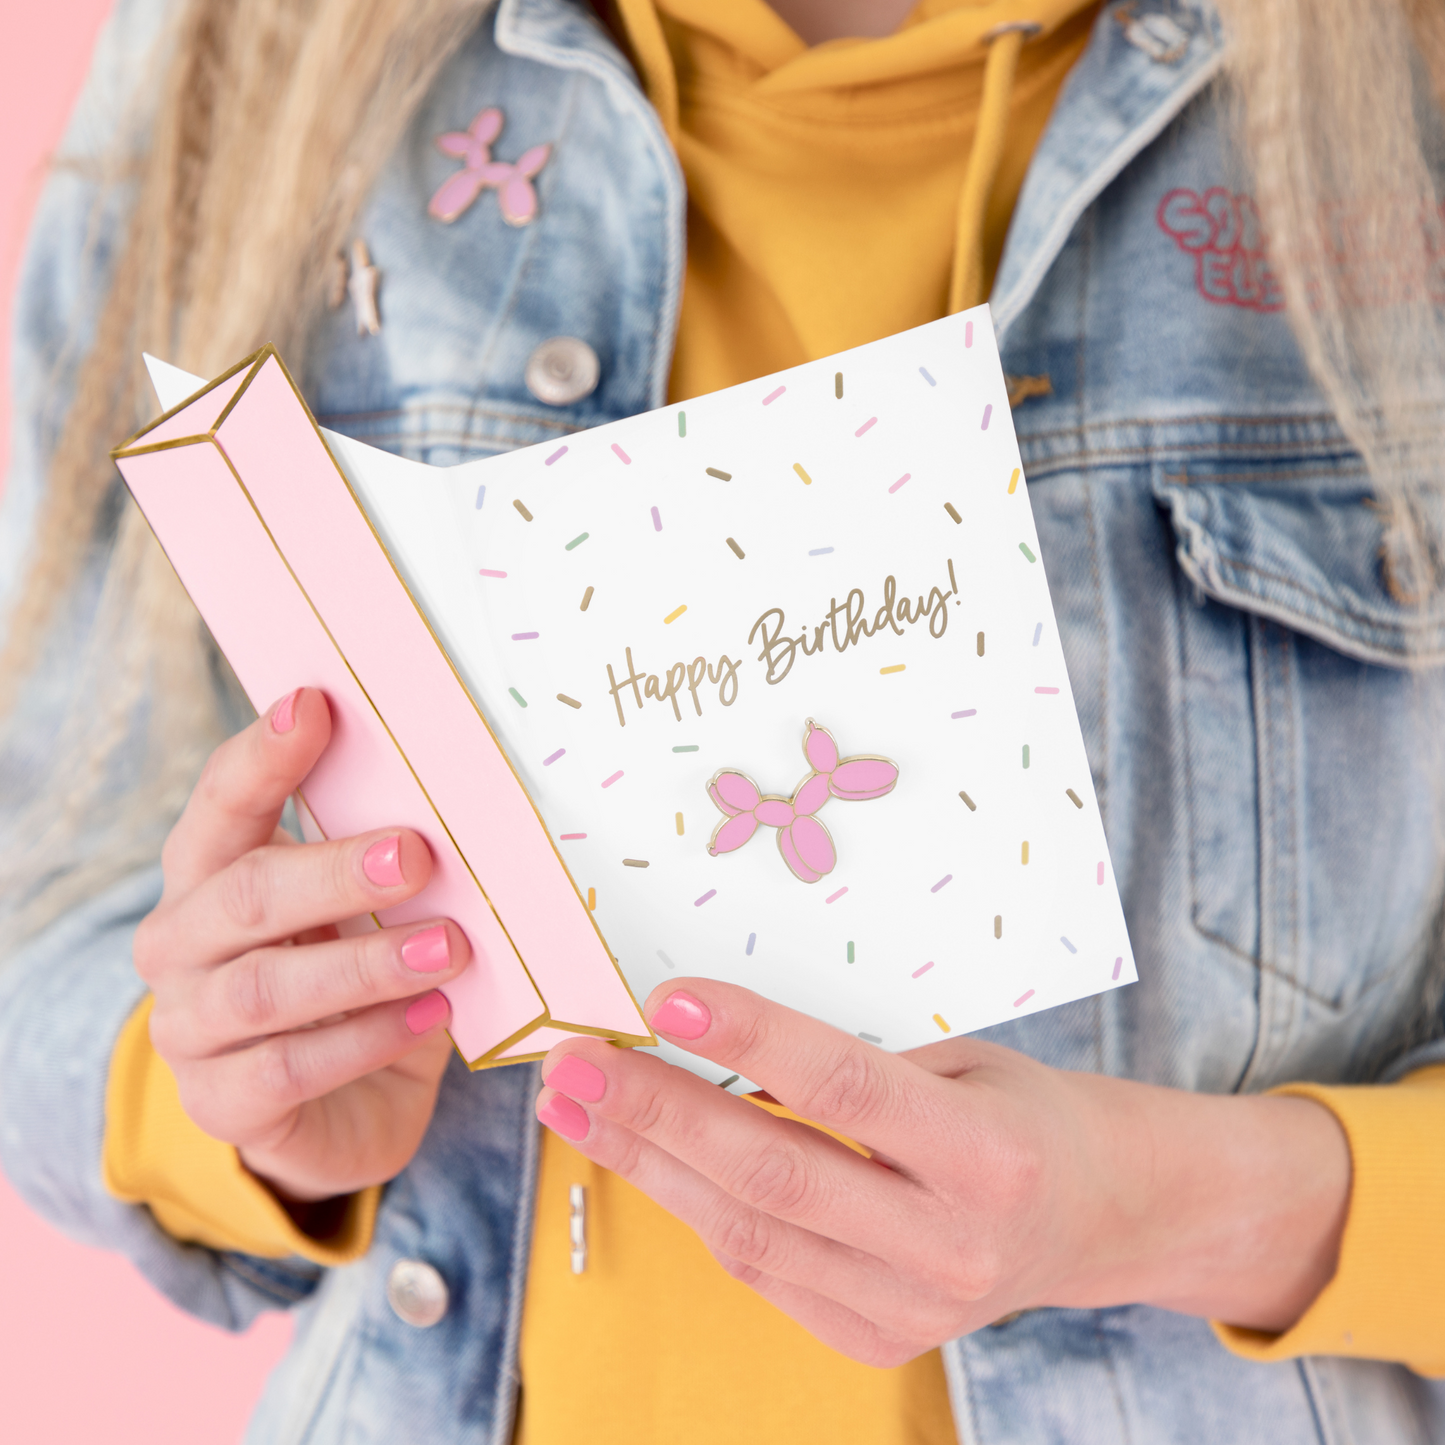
point(318, 1056)
point(997, 1183)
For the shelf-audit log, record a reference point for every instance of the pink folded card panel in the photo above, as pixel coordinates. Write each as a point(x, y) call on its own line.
point(274, 549)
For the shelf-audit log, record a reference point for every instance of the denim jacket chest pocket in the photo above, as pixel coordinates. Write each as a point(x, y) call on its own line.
point(1311, 641)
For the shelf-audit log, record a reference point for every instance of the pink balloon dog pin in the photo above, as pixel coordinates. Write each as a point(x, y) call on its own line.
point(806, 845)
point(512, 182)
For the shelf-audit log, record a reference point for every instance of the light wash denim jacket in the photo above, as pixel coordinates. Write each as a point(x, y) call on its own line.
point(1233, 642)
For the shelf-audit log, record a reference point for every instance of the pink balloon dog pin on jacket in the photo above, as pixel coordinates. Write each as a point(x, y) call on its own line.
point(806, 845)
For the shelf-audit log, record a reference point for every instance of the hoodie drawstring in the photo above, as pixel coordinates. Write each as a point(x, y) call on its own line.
point(966, 286)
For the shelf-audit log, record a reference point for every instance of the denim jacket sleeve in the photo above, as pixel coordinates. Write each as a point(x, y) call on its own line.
point(66, 993)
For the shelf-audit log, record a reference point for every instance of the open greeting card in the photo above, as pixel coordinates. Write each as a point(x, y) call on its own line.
point(765, 687)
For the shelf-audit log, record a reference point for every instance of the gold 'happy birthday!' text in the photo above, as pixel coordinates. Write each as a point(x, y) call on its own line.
point(845, 624)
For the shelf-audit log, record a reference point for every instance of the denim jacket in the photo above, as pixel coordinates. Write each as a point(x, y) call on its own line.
point(1255, 702)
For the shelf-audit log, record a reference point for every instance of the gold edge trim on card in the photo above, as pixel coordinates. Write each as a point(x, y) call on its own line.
point(545, 1015)
point(401, 752)
point(270, 350)
point(125, 448)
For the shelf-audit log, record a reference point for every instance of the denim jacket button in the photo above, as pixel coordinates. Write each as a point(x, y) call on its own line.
point(563, 369)
point(416, 1293)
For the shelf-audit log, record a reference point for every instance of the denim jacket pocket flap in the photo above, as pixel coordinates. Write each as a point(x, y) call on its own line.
point(1316, 549)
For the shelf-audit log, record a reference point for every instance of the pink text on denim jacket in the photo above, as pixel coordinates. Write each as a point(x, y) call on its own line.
point(1222, 231)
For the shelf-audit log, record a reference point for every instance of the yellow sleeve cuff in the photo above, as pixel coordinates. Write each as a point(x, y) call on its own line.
point(1387, 1298)
point(195, 1186)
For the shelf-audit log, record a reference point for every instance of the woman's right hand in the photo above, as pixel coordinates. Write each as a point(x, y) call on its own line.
point(319, 1057)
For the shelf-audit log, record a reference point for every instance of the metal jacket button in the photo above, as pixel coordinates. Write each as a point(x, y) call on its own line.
point(417, 1293)
point(563, 369)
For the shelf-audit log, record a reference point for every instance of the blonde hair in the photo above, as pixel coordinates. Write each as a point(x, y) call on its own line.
point(273, 120)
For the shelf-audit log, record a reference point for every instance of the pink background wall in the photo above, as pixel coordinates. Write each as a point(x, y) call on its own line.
point(87, 1350)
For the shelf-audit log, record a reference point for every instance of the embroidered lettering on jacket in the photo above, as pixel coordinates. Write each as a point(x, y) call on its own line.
point(1222, 232)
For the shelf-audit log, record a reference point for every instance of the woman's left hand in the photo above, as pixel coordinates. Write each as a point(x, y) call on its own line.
point(997, 1183)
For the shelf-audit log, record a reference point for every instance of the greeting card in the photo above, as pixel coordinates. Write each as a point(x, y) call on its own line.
point(765, 686)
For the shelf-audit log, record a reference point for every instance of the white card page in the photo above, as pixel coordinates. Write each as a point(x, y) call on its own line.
point(706, 553)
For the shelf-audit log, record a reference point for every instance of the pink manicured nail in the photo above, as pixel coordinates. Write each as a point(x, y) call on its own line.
point(382, 862)
point(428, 1011)
point(283, 716)
point(566, 1118)
point(579, 1078)
point(682, 1016)
point(428, 951)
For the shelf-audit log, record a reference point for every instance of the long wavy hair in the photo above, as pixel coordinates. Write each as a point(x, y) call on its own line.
point(273, 118)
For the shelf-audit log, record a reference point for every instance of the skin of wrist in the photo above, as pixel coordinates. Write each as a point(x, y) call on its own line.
point(1223, 1206)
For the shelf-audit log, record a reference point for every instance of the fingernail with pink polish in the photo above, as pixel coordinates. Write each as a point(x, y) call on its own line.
point(283, 715)
point(427, 1012)
point(428, 951)
point(382, 862)
point(578, 1078)
point(682, 1016)
point(569, 1120)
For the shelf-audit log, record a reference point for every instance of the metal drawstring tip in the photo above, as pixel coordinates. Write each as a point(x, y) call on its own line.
point(577, 1226)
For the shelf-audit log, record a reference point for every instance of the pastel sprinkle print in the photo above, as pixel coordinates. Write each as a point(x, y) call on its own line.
point(939, 1020)
point(807, 480)
point(1026, 755)
point(1118, 964)
point(608, 782)
point(917, 972)
point(1013, 481)
point(870, 1038)
point(967, 334)
point(820, 551)
point(850, 950)
point(556, 456)
point(1038, 632)
point(953, 512)
point(570, 701)
point(1048, 691)
point(947, 878)
point(552, 758)
point(481, 497)
point(685, 748)
point(675, 613)
point(896, 667)
point(972, 806)
point(622, 455)
point(656, 520)
point(682, 423)
point(1024, 548)
point(1024, 859)
point(577, 541)
point(923, 372)
point(980, 644)
point(720, 475)
point(698, 902)
point(987, 413)
point(1100, 878)
point(569, 837)
point(517, 503)
point(967, 712)
point(752, 939)
point(834, 897)
point(525, 636)
point(586, 600)
point(679, 825)
point(867, 426)
point(592, 900)
point(738, 551)
point(772, 396)
point(635, 863)
point(838, 385)
point(489, 572)
point(517, 697)
point(998, 925)
point(905, 477)
point(1023, 998)
point(1073, 797)
point(1067, 944)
